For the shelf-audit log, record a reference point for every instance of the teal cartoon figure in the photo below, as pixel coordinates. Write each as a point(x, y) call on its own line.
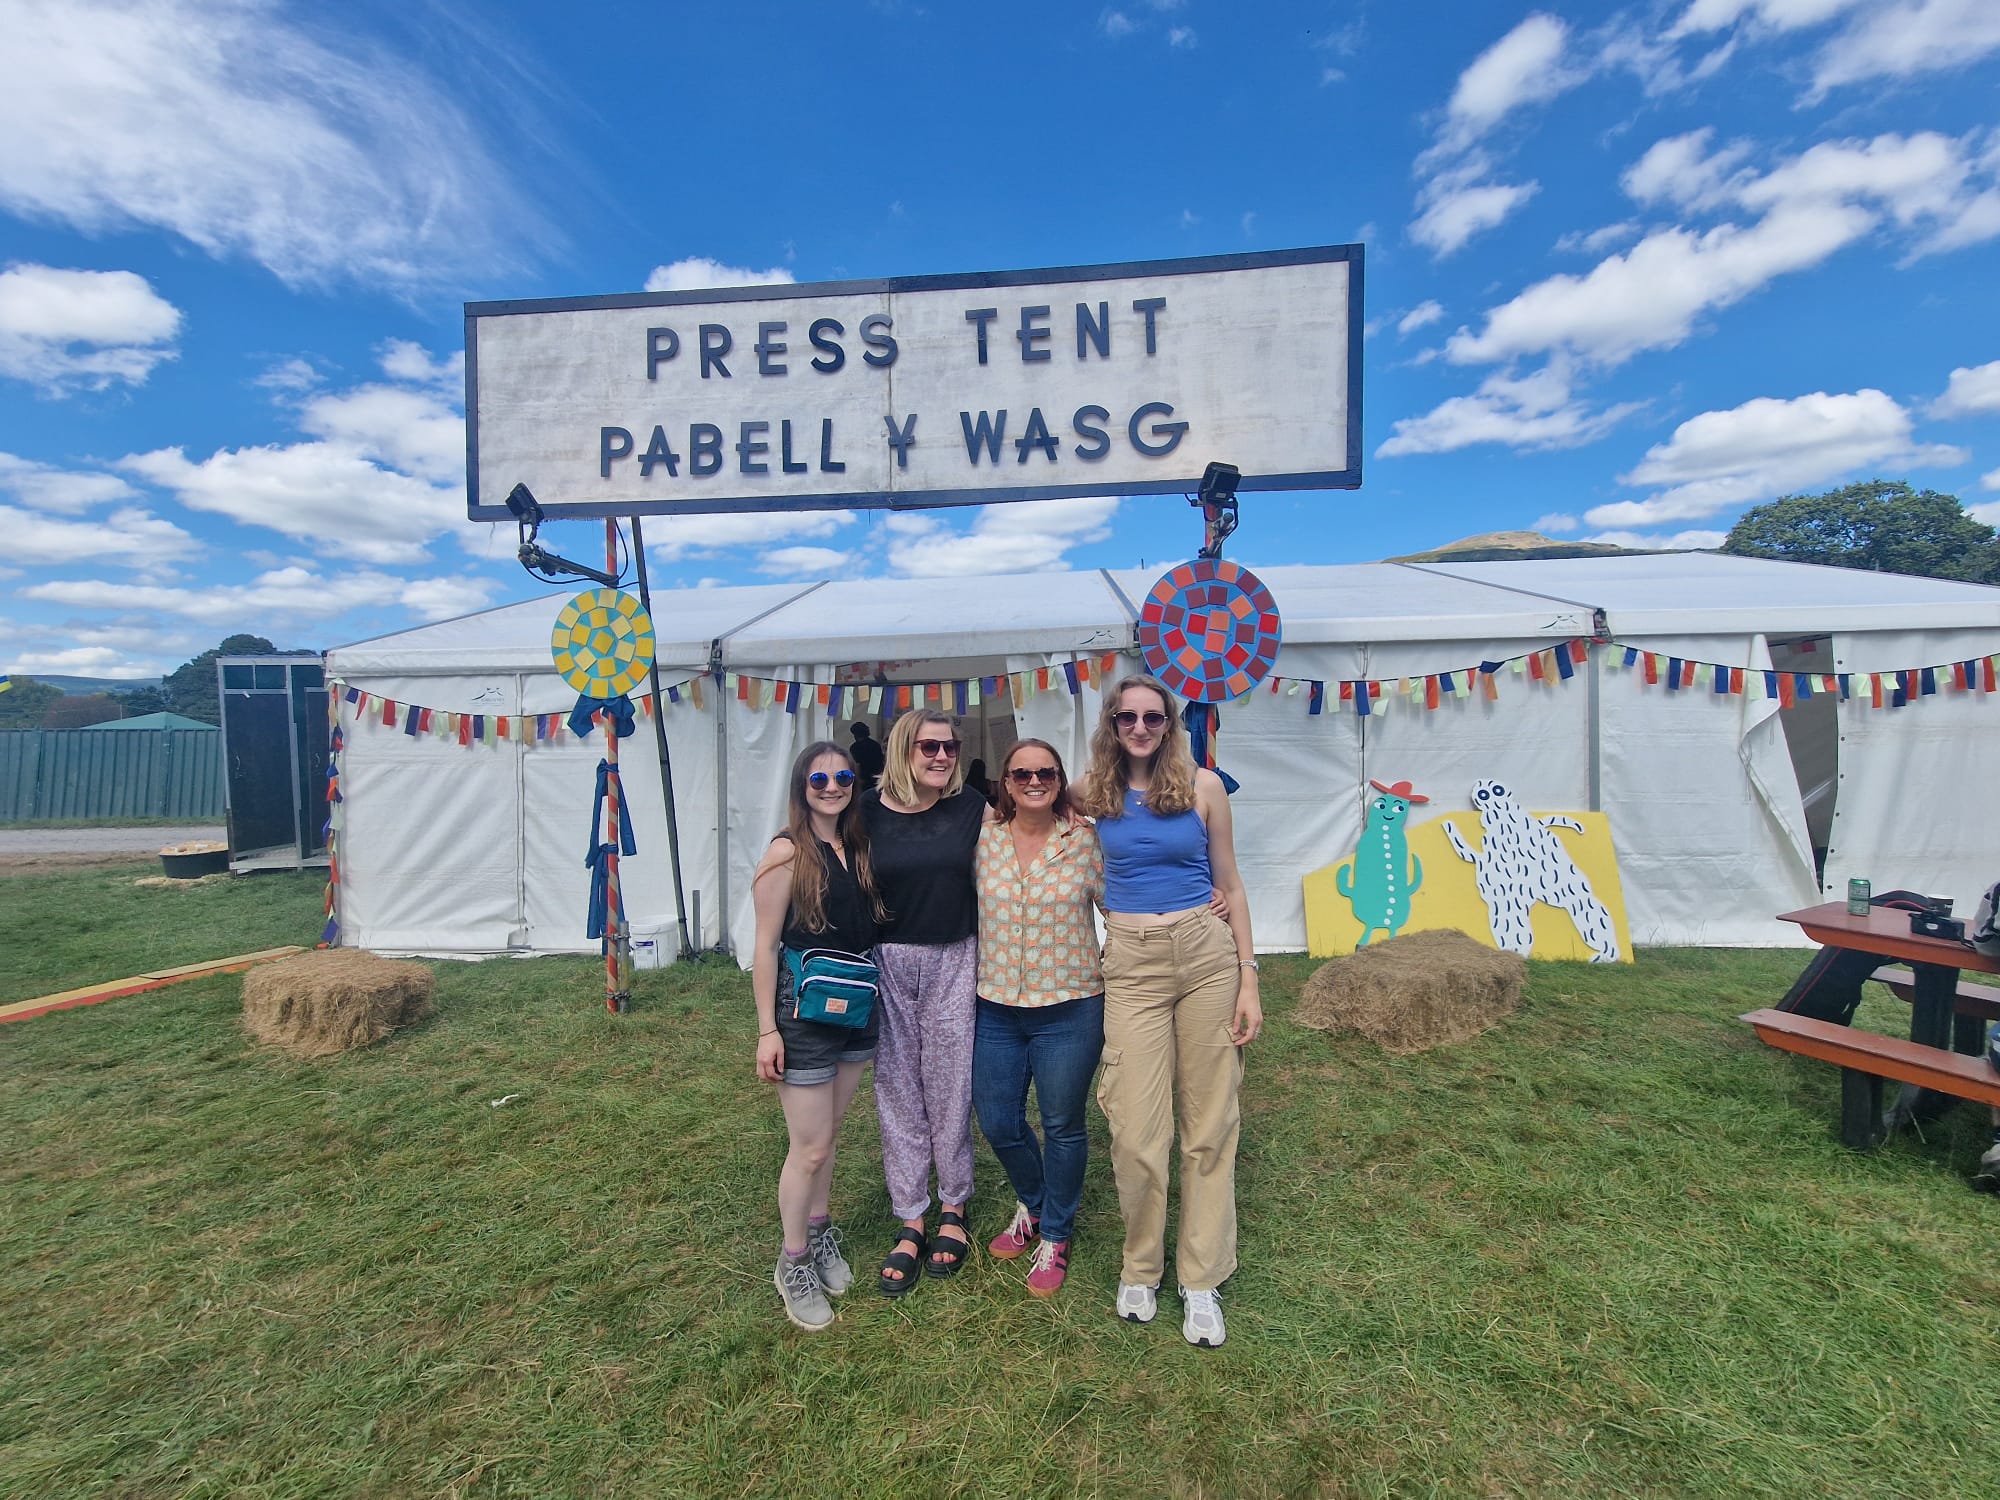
point(1384, 876)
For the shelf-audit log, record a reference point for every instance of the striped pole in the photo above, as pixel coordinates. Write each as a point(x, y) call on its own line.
point(617, 942)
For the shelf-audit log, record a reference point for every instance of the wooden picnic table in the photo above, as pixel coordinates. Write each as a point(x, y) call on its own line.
point(1943, 1054)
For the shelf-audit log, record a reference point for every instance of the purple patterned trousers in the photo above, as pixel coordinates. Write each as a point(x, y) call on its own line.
point(923, 1070)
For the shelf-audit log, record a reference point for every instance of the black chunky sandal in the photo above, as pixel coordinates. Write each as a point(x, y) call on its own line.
point(948, 1255)
point(909, 1262)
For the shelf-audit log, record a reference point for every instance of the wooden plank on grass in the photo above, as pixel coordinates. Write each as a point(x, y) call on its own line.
point(111, 989)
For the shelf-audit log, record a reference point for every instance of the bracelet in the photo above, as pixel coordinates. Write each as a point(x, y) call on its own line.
point(1247, 963)
point(762, 1034)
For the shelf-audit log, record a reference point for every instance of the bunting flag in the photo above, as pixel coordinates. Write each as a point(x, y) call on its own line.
point(329, 935)
point(1897, 689)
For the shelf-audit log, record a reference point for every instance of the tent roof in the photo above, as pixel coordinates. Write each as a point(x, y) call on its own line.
point(152, 721)
point(849, 620)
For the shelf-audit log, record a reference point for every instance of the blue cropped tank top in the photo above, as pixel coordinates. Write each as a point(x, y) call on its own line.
point(1154, 862)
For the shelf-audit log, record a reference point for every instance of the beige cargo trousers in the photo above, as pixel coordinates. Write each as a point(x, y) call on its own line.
point(1169, 999)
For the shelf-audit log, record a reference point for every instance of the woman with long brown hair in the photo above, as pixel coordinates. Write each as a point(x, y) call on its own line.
point(1180, 999)
point(1041, 1002)
point(814, 889)
point(922, 828)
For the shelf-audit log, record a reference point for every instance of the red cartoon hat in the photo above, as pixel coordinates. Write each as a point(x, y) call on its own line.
point(1400, 789)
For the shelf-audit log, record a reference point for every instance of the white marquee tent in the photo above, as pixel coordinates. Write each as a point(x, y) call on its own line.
point(1718, 803)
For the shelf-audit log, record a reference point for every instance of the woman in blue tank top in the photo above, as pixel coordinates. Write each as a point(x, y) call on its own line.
point(1180, 999)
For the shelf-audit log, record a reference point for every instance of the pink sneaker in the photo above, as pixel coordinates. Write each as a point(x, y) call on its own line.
point(1014, 1240)
point(1050, 1267)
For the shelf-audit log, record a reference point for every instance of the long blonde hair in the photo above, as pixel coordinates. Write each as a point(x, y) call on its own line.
point(1101, 792)
point(898, 782)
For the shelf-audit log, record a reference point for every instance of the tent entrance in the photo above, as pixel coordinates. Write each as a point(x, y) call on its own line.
point(1812, 734)
point(987, 727)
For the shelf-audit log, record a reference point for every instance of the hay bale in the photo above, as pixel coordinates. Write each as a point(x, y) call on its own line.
point(1414, 992)
point(317, 1004)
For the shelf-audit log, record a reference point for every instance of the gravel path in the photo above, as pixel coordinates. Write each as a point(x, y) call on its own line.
point(101, 840)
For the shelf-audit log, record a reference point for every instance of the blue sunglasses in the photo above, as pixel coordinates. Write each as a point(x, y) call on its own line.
point(819, 779)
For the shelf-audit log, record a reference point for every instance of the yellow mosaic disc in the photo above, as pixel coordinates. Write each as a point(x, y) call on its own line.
point(603, 643)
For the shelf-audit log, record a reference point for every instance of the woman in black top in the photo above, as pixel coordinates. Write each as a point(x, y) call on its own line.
point(923, 829)
point(814, 889)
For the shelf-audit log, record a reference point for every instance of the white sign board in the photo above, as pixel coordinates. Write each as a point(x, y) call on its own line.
point(921, 391)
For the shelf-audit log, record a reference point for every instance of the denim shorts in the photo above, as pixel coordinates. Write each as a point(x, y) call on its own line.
point(813, 1049)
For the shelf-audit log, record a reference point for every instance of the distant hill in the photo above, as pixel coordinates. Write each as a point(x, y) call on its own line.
point(1511, 546)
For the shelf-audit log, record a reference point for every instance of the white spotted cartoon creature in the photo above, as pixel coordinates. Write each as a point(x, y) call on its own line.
point(1521, 865)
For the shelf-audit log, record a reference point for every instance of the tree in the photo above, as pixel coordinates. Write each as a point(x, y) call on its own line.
point(80, 711)
point(142, 700)
point(190, 688)
point(22, 705)
point(1881, 525)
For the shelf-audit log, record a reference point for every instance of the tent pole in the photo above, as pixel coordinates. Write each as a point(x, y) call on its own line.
point(660, 740)
point(617, 936)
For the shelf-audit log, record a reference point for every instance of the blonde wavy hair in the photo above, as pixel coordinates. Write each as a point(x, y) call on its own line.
point(898, 781)
point(1101, 792)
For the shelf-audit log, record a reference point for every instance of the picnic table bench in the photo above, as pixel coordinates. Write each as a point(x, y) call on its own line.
point(1943, 1055)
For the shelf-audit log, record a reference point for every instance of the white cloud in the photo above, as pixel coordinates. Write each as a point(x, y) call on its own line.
point(1595, 241)
point(63, 329)
point(1681, 170)
point(408, 430)
point(1970, 390)
point(1768, 447)
point(284, 593)
point(1679, 541)
point(698, 273)
point(1027, 536)
point(1778, 15)
point(1420, 316)
point(406, 361)
point(322, 493)
point(290, 377)
point(1331, 75)
point(1555, 524)
point(1115, 24)
point(246, 133)
point(1524, 67)
point(83, 661)
point(1535, 411)
point(1650, 296)
point(1452, 215)
point(673, 537)
point(1180, 36)
point(805, 562)
point(46, 487)
point(131, 538)
point(1909, 37)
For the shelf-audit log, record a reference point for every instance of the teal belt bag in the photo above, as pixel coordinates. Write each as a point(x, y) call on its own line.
point(832, 987)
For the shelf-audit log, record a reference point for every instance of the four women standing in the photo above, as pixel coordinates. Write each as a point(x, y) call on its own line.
point(1175, 1000)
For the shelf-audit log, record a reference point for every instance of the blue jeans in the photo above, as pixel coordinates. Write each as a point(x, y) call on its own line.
point(1057, 1048)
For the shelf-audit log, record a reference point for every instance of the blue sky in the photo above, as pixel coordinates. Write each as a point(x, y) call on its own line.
point(1630, 269)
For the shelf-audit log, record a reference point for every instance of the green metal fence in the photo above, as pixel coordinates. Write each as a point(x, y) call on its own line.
point(87, 773)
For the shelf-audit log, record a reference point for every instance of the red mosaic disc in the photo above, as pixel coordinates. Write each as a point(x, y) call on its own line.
point(1209, 630)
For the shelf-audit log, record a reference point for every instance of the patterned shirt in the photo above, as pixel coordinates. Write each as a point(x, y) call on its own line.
point(1037, 942)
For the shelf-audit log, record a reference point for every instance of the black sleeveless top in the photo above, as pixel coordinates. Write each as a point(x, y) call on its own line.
point(849, 917)
point(923, 867)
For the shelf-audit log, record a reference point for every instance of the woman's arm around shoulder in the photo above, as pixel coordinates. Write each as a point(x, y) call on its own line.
point(1212, 802)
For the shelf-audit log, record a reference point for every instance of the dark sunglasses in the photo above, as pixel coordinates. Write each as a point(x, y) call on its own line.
point(946, 748)
point(819, 779)
point(1023, 775)
point(1125, 718)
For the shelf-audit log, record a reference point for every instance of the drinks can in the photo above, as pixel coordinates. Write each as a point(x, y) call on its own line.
point(1858, 896)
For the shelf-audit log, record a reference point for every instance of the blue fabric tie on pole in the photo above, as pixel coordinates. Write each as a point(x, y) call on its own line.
point(598, 857)
point(618, 710)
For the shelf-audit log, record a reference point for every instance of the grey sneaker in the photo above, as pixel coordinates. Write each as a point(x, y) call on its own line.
point(805, 1300)
point(1137, 1304)
point(1987, 1177)
point(835, 1274)
point(1201, 1324)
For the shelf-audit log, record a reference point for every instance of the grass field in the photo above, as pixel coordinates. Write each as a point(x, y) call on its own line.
point(1611, 1246)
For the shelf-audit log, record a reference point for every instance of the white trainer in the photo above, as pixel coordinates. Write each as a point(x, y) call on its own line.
point(1137, 1304)
point(1201, 1324)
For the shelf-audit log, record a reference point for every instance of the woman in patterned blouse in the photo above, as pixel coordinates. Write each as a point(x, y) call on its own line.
point(1041, 1002)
